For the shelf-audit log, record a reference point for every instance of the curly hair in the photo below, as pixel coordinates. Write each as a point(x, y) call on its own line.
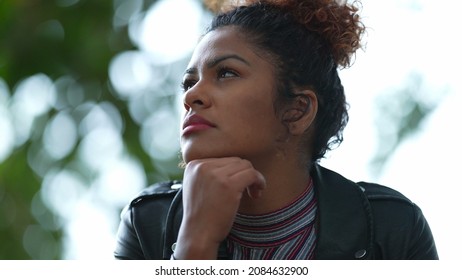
point(307, 40)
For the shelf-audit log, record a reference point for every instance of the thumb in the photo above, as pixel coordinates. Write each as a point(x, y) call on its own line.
point(256, 189)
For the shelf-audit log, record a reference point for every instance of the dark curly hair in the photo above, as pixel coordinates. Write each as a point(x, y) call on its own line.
point(307, 41)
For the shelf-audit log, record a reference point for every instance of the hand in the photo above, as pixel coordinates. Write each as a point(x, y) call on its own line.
point(212, 191)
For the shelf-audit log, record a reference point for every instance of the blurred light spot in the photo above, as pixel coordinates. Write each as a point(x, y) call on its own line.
point(43, 215)
point(33, 97)
point(414, 5)
point(160, 134)
point(114, 115)
point(75, 94)
point(165, 169)
point(103, 115)
point(142, 106)
point(61, 190)
point(90, 232)
point(40, 244)
point(36, 94)
point(60, 135)
point(125, 10)
point(137, 109)
point(120, 180)
point(80, 113)
point(135, 27)
point(130, 73)
point(52, 29)
point(71, 93)
point(22, 124)
point(170, 29)
point(179, 105)
point(66, 3)
point(6, 134)
point(93, 90)
point(100, 147)
point(38, 159)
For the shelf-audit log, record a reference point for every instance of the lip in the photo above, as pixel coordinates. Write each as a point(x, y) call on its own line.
point(194, 123)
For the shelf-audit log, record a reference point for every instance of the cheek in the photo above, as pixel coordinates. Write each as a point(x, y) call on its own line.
point(258, 115)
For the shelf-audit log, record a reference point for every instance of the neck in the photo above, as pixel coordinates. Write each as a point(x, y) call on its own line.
point(285, 178)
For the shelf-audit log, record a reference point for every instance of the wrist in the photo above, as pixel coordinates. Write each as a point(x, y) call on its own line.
point(190, 248)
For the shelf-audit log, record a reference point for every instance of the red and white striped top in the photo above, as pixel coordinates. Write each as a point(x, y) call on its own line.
point(285, 234)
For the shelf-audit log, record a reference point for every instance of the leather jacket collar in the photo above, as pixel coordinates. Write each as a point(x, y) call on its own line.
point(345, 229)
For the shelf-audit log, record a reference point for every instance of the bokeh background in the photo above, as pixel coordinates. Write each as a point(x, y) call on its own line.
point(90, 107)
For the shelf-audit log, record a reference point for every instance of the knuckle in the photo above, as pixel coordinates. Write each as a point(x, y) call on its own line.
point(198, 166)
point(246, 163)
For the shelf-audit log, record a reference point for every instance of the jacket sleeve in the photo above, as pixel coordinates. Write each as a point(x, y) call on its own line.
point(128, 246)
point(142, 229)
point(422, 245)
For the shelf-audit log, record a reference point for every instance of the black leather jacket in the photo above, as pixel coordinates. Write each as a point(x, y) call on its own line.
point(355, 221)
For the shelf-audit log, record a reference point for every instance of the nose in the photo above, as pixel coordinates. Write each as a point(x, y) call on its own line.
point(197, 97)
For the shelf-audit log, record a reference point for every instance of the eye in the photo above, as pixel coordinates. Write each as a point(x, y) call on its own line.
point(187, 84)
point(225, 72)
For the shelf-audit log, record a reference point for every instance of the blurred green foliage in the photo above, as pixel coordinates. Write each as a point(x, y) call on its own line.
point(57, 38)
point(43, 37)
point(400, 113)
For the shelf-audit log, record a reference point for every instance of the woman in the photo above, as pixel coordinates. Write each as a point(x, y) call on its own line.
point(264, 103)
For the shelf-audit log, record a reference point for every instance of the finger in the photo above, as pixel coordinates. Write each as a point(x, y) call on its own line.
point(251, 180)
point(233, 166)
point(256, 189)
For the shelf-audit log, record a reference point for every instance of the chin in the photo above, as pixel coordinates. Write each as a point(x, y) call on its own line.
point(190, 155)
point(194, 154)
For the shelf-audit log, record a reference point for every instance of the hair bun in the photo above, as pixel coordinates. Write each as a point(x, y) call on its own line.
point(337, 21)
point(221, 6)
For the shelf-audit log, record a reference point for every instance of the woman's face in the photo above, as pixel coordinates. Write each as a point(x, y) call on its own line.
point(229, 95)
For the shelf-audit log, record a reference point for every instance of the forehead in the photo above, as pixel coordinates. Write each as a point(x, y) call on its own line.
point(223, 41)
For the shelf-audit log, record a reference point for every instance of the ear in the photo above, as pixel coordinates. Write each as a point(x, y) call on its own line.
point(301, 113)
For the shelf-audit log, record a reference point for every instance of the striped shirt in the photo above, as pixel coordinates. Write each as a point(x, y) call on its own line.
point(288, 233)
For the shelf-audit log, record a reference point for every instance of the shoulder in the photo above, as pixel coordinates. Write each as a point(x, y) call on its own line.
point(401, 229)
point(378, 192)
point(154, 200)
point(159, 191)
point(143, 221)
point(389, 204)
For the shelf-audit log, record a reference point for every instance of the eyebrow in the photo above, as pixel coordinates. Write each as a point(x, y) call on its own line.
point(213, 62)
